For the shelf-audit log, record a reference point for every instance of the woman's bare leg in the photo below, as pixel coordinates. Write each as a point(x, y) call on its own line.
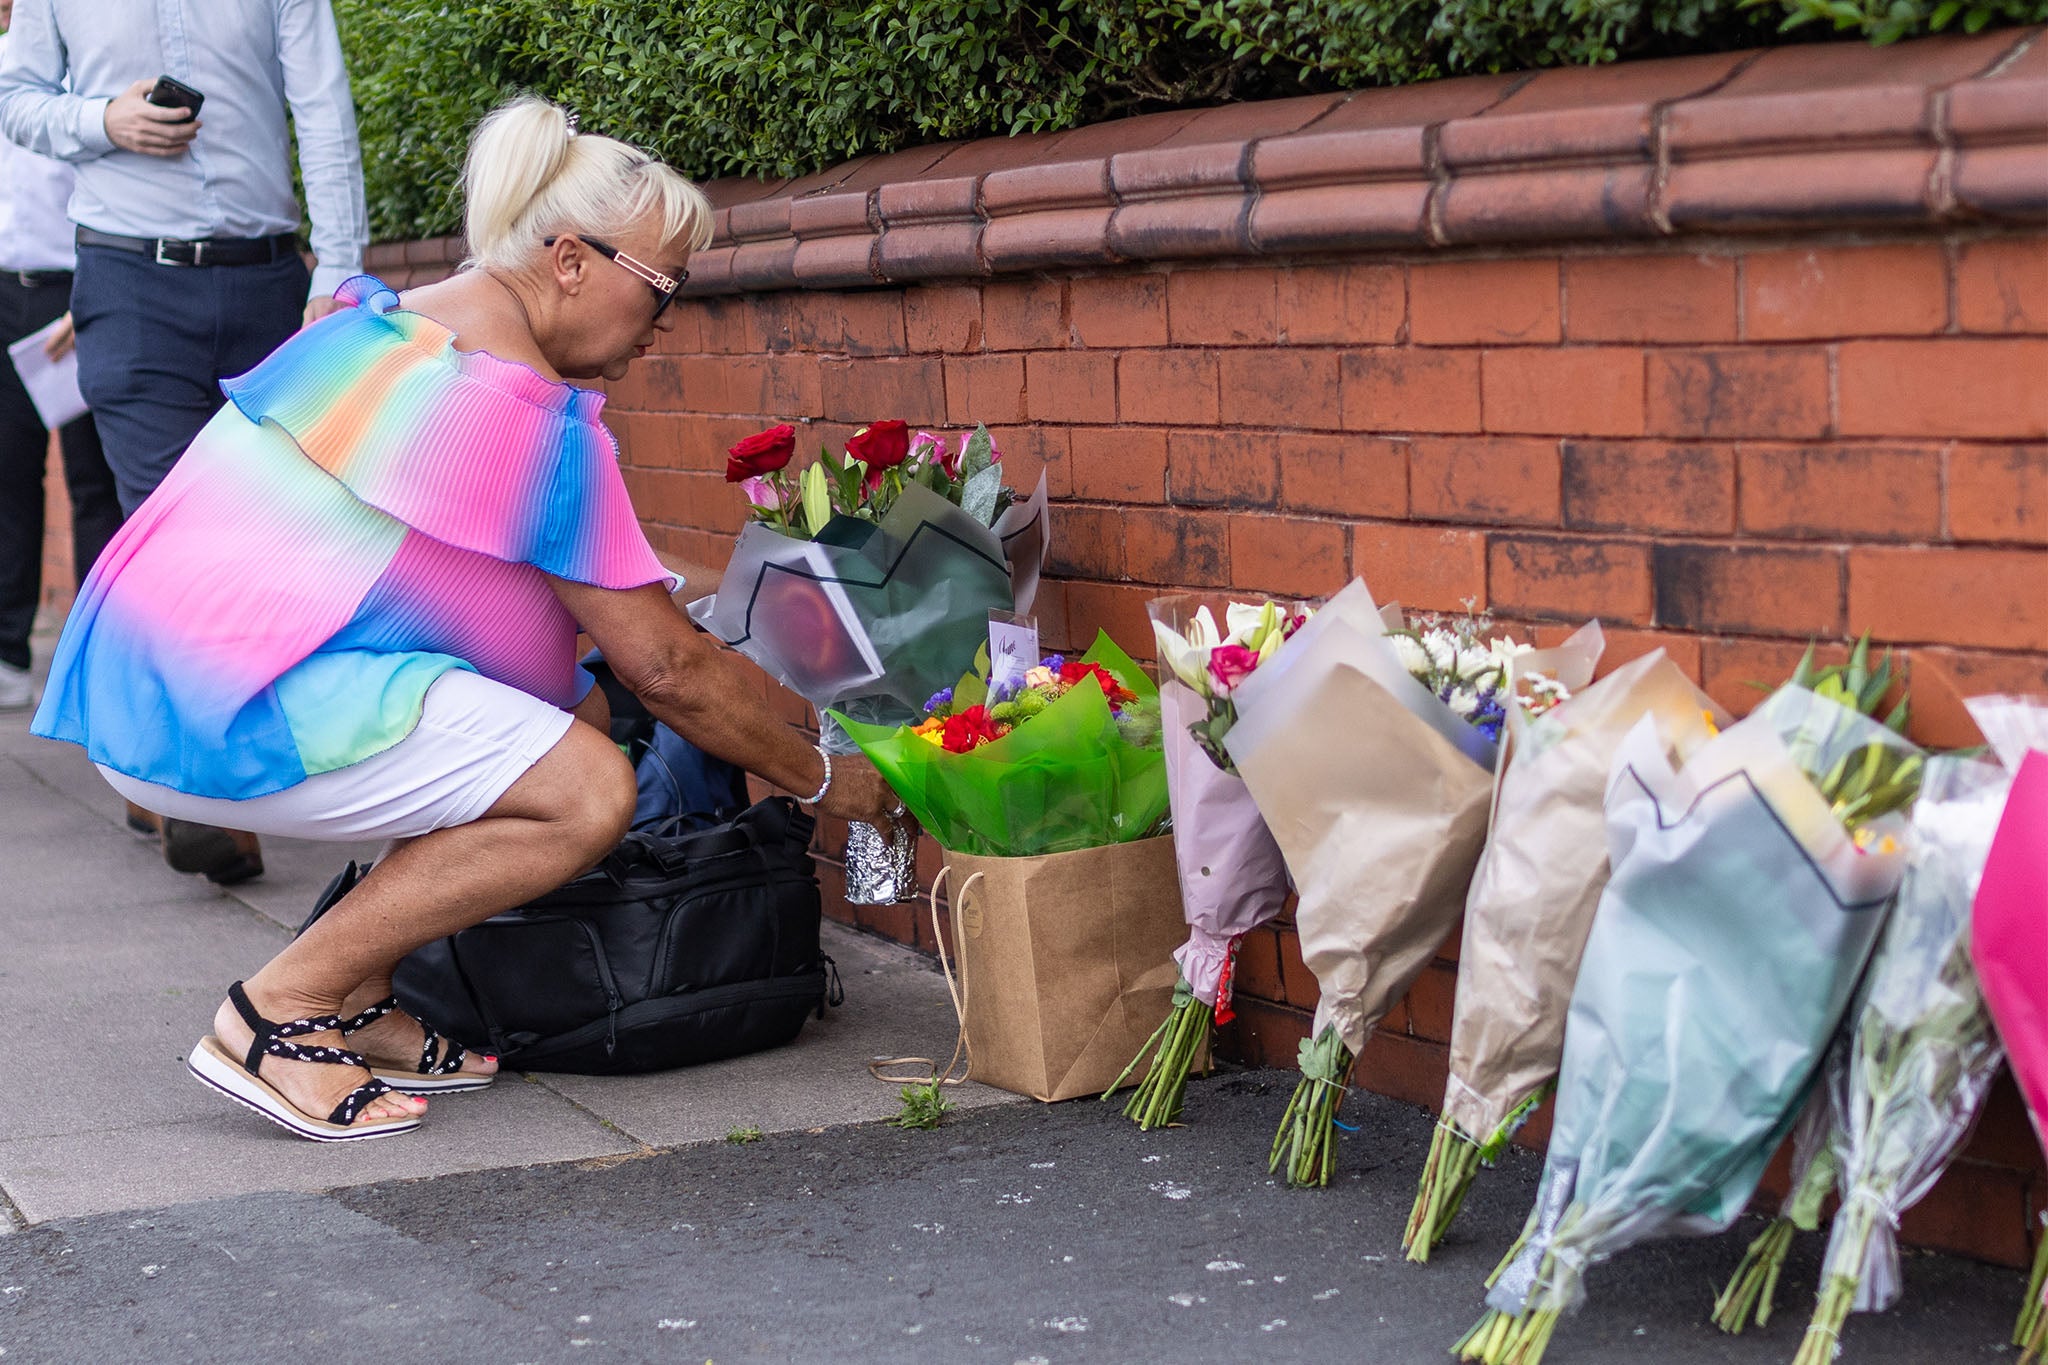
point(560, 819)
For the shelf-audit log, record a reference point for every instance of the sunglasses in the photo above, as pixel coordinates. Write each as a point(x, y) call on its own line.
point(664, 286)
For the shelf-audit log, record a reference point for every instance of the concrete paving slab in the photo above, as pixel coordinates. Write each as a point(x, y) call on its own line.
point(229, 1150)
point(896, 1004)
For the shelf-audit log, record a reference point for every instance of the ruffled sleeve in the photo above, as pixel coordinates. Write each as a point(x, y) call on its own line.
point(480, 453)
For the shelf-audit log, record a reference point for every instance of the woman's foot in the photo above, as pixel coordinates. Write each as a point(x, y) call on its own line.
point(404, 1052)
point(315, 1088)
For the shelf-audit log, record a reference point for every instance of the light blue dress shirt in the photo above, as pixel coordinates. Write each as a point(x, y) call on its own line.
point(252, 59)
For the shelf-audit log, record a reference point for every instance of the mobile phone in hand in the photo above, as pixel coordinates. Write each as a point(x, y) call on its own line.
point(174, 94)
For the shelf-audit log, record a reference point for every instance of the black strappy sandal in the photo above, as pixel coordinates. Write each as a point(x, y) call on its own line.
point(429, 1076)
point(236, 1078)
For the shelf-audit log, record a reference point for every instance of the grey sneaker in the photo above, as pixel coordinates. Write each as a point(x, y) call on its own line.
point(17, 688)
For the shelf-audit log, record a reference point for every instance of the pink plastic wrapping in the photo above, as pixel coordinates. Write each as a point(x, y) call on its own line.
point(1232, 877)
point(2009, 933)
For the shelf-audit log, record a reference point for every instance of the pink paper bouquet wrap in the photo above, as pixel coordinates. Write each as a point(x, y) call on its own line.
point(1232, 877)
point(2009, 928)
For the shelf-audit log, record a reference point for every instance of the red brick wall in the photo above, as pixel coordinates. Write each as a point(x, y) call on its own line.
point(1723, 451)
point(1732, 352)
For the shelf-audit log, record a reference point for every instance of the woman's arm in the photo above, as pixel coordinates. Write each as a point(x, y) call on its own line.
point(700, 694)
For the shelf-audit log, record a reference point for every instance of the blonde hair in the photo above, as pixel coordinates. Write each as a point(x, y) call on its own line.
point(530, 176)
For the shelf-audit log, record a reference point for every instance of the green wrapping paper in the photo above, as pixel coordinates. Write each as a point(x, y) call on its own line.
point(1069, 778)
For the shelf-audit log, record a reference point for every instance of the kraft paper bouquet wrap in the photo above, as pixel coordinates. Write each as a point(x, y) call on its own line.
point(1232, 877)
point(1076, 774)
point(1920, 1053)
point(1746, 890)
point(2009, 943)
point(1530, 908)
point(1376, 787)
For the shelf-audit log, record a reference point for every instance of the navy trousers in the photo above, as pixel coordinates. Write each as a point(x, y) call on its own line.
point(24, 451)
point(154, 342)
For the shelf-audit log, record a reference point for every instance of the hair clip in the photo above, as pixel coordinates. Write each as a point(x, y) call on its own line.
point(570, 116)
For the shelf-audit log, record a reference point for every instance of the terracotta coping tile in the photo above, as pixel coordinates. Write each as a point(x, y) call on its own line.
point(921, 201)
point(840, 213)
point(1261, 118)
point(1628, 83)
point(1119, 135)
point(758, 221)
point(1419, 105)
point(1815, 133)
point(1056, 185)
point(1342, 157)
point(1930, 62)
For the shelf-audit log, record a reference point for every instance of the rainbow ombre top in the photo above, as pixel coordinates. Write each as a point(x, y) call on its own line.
point(371, 509)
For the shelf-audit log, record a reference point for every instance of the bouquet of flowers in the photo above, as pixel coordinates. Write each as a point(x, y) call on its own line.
point(864, 583)
point(1069, 759)
point(1746, 890)
point(1232, 877)
point(1369, 747)
point(2009, 937)
point(1921, 1052)
point(1531, 906)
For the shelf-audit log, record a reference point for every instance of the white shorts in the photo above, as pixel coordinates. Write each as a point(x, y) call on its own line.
point(475, 739)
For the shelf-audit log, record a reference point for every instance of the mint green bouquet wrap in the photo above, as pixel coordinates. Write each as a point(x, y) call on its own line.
point(1071, 777)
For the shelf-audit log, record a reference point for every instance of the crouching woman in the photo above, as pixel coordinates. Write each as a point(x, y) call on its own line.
point(350, 612)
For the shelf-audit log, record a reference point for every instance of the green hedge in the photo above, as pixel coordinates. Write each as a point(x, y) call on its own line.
point(781, 87)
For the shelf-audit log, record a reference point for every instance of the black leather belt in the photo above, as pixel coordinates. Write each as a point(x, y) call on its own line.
point(39, 279)
point(207, 251)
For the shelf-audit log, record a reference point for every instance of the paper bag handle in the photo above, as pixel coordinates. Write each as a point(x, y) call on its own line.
point(932, 1074)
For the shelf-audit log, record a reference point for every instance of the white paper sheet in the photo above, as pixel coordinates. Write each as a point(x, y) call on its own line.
point(52, 384)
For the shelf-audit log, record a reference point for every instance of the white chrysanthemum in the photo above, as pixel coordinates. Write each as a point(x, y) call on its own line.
point(1411, 654)
point(1476, 661)
point(1443, 648)
point(1464, 701)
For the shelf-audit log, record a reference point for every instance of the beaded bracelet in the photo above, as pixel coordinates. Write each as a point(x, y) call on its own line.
point(826, 785)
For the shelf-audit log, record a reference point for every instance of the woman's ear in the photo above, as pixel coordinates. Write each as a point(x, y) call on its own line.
point(567, 259)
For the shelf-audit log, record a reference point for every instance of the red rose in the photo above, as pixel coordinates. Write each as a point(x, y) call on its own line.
point(1230, 665)
point(880, 445)
point(762, 453)
point(1116, 693)
point(969, 729)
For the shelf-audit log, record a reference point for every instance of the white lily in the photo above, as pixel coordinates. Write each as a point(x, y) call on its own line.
point(1188, 655)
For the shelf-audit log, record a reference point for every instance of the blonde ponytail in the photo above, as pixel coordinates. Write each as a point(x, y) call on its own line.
point(530, 176)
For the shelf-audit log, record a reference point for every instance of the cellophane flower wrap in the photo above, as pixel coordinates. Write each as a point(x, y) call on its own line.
point(1232, 877)
point(1531, 906)
point(865, 586)
point(1921, 1052)
point(1376, 788)
point(1739, 913)
point(1074, 774)
point(2009, 935)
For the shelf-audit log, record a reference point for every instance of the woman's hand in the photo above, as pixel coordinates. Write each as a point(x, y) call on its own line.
point(859, 793)
point(62, 339)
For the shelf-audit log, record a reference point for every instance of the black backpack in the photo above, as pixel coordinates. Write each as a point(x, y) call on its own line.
point(683, 946)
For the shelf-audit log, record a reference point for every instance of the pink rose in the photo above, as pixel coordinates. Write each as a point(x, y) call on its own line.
point(762, 494)
point(1230, 665)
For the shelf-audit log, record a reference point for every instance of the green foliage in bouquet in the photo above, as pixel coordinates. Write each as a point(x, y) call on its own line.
point(1072, 775)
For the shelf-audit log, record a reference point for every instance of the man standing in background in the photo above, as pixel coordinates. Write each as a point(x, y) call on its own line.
point(35, 290)
point(188, 258)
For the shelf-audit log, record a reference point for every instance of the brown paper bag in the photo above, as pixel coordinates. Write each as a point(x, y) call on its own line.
point(1066, 962)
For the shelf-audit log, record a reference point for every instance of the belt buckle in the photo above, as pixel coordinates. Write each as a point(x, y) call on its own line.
point(163, 242)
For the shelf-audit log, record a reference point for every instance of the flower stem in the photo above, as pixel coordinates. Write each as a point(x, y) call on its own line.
point(1754, 1284)
point(1306, 1143)
point(2030, 1333)
point(1176, 1047)
point(1447, 1175)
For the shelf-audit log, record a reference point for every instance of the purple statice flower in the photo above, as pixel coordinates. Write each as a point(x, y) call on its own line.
point(942, 697)
point(1489, 717)
point(1055, 662)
